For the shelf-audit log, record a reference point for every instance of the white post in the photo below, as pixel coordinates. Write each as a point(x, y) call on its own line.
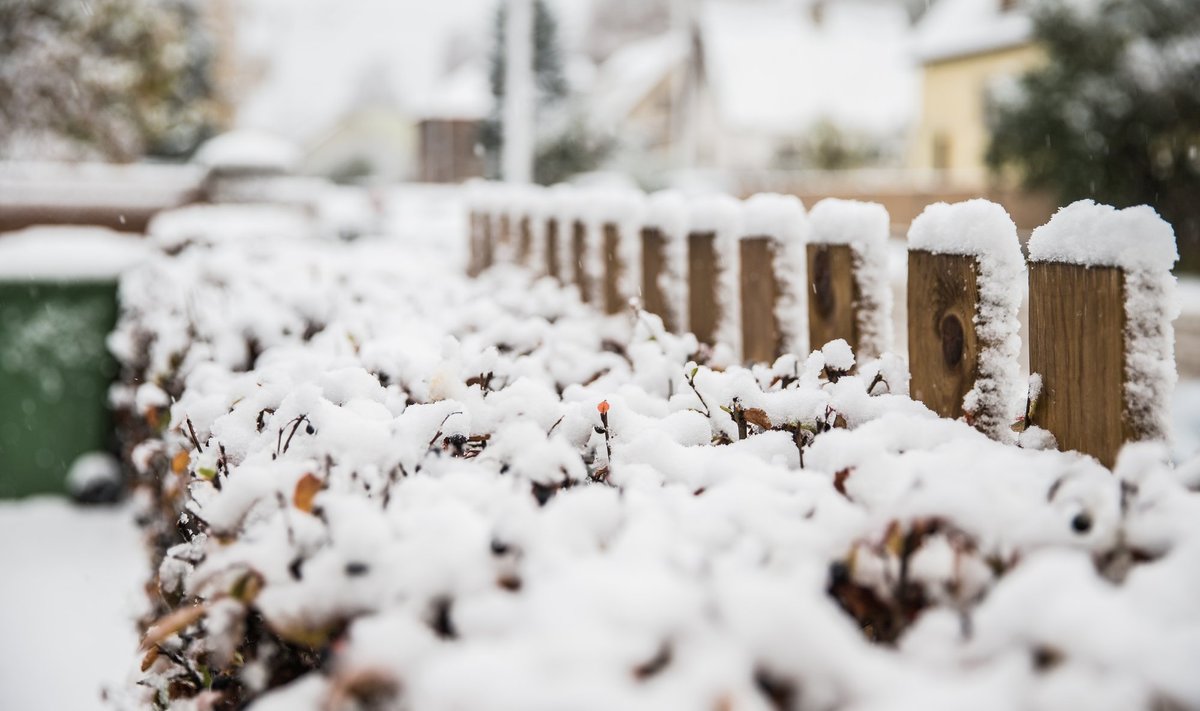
point(517, 160)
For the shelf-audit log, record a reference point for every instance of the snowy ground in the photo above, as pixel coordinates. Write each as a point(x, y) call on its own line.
point(70, 589)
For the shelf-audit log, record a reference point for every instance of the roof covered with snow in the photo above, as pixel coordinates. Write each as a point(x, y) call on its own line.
point(633, 71)
point(462, 94)
point(774, 70)
point(956, 28)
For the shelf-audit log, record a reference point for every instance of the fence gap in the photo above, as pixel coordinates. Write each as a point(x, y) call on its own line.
point(943, 347)
point(704, 311)
point(762, 334)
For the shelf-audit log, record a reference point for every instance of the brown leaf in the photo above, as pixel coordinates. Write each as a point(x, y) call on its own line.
point(149, 659)
point(179, 463)
point(839, 481)
point(756, 416)
point(171, 623)
point(306, 491)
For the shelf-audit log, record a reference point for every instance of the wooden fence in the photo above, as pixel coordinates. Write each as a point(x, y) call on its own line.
point(798, 288)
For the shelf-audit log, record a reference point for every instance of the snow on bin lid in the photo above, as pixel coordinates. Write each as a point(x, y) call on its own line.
point(248, 150)
point(62, 253)
point(1087, 233)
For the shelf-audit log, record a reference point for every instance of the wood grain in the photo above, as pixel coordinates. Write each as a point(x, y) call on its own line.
point(613, 270)
point(704, 309)
point(943, 349)
point(551, 251)
point(1077, 345)
point(654, 262)
point(833, 299)
point(579, 260)
point(762, 336)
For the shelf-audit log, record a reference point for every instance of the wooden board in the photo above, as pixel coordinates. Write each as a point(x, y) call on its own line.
point(1077, 345)
point(704, 309)
point(551, 251)
point(654, 263)
point(579, 260)
point(943, 349)
point(762, 337)
point(525, 243)
point(473, 244)
point(487, 244)
point(613, 270)
point(833, 298)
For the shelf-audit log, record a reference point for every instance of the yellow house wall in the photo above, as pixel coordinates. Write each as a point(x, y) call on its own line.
point(952, 105)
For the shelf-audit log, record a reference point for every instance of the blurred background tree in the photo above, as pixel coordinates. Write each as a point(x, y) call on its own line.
point(565, 145)
point(1114, 113)
point(104, 79)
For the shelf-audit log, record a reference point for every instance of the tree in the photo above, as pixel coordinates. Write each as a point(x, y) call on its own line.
point(1114, 113)
point(112, 79)
point(565, 146)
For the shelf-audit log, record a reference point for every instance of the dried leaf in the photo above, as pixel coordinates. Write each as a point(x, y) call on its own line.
point(756, 416)
point(171, 623)
point(839, 480)
point(179, 463)
point(306, 491)
point(150, 658)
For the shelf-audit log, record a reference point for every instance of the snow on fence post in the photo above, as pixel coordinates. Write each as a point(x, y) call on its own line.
point(618, 216)
point(1101, 302)
point(713, 225)
point(771, 277)
point(965, 273)
point(664, 259)
point(850, 297)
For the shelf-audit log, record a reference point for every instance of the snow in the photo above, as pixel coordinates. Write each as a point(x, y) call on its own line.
point(248, 150)
point(954, 28)
point(1142, 244)
point(983, 230)
point(62, 253)
point(1087, 233)
point(517, 503)
point(69, 596)
point(865, 227)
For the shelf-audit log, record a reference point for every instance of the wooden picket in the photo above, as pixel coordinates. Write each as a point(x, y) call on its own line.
point(833, 299)
point(614, 269)
point(943, 347)
point(579, 260)
point(1077, 347)
point(550, 248)
point(704, 309)
point(762, 334)
point(654, 264)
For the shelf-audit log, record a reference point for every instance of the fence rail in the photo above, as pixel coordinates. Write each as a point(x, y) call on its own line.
point(1101, 337)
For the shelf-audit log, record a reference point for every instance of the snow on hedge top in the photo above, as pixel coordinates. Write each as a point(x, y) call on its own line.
point(837, 221)
point(780, 217)
point(667, 210)
point(248, 150)
point(68, 253)
point(979, 228)
point(1100, 235)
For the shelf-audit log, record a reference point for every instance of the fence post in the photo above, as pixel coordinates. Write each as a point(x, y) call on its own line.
point(850, 296)
point(713, 223)
point(1100, 333)
point(663, 259)
point(771, 279)
point(579, 258)
point(619, 212)
point(965, 270)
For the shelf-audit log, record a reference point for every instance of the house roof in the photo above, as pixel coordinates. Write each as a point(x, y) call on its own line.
point(958, 28)
point(775, 70)
point(625, 79)
point(462, 94)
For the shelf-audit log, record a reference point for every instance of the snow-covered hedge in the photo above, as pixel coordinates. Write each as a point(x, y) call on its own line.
point(372, 482)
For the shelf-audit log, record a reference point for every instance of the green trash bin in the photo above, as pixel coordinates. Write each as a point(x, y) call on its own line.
point(56, 311)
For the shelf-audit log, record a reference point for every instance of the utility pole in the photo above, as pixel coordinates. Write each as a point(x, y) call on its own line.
point(517, 152)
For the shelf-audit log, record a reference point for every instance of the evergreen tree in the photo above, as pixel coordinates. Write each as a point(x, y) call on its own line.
point(564, 144)
point(1114, 113)
point(113, 79)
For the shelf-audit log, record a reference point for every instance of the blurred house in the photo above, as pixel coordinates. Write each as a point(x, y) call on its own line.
point(739, 86)
point(448, 127)
point(969, 49)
